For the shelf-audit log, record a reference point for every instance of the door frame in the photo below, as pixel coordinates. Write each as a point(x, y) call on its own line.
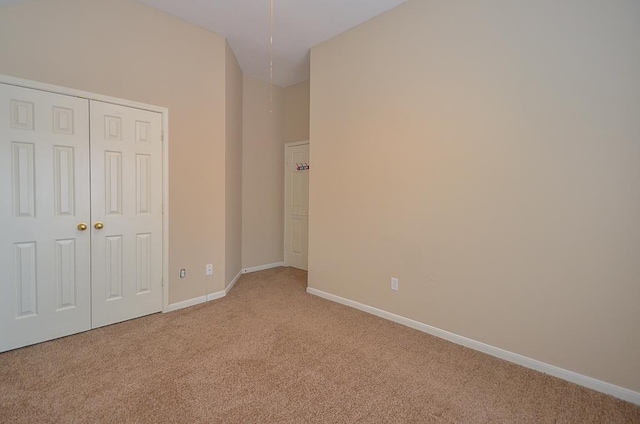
point(286, 146)
point(20, 82)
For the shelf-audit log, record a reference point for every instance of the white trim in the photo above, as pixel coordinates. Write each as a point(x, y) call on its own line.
point(20, 82)
point(262, 267)
point(286, 195)
point(296, 143)
point(203, 299)
point(215, 296)
point(6, 79)
point(165, 209)
point(232, 283)
point(186, 303)
point(223, 293)
point(573, 377)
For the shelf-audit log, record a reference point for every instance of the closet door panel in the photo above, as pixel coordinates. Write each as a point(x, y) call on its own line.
point(44, 196)
point(126, 177)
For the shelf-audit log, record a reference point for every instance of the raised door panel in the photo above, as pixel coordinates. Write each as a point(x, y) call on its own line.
point(300, 192)
point(64, 180)
point(143, 263)
point(299, 199)
point(25, 280)
point(112, 182)
point(65, 259)
point(144, 186)
point(21, 115)
point(24, 185)
point(113, 268)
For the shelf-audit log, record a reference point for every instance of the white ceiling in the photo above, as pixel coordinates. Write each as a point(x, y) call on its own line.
point(298, 26)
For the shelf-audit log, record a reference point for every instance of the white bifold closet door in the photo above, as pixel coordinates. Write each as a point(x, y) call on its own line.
point(80, 215)
point(126, 198)
point(44, 196)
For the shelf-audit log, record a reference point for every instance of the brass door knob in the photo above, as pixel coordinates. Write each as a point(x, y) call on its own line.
point(99, 226)
point(82, 226)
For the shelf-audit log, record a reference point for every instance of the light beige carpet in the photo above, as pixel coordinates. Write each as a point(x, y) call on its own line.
point(270, 353)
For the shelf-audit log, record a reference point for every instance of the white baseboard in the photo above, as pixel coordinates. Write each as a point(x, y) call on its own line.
point(186, 303)
point(232, 283)
point(262, 267)
point(216, 295)
point(202, 299)
point(573, 377)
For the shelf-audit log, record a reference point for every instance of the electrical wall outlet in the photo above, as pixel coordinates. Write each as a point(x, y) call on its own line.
point(209, 269)
point(183, 273)
point(394, 284)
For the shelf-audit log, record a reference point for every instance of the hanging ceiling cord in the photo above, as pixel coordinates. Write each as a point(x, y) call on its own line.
point(271, 57)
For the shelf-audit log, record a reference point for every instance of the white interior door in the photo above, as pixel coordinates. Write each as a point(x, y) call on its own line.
point(296, 226)
point(44, 196)
point(126, 211)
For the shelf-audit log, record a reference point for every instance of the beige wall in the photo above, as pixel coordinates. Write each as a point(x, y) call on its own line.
point(124, 49)
point(267, 126)
point(489, 158)
point(296, 112)
point(233, 167)
point(262, 174)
